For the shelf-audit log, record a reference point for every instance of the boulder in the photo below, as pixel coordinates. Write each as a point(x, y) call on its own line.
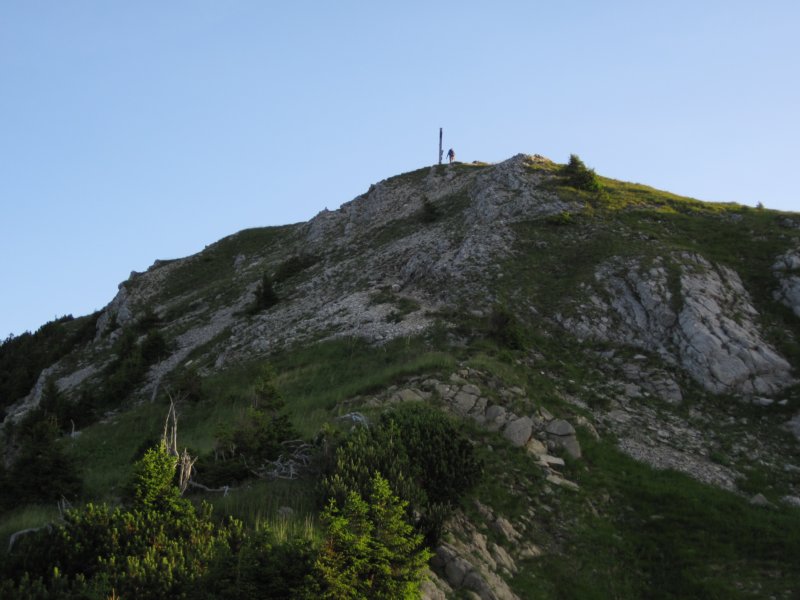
point(549, 461)
point(408, 395)
point(456, 570)
point(495, 417)
point(503, 558)
point(536, 447)
point(463, 402)
point(518, 431)
point(506, 529)
point(793, 426)
point(560, 427)
point(791, 501)
point(571, 446)
point(471, 389)
point(561, 482)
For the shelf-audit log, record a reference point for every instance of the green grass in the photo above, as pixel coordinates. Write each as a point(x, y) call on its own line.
point(106, 451)
point(208, 275)
point(316, 379)
point(26, 517)
point(661, 534)
point(313, 380)
point(626, 195)
point(257, 505)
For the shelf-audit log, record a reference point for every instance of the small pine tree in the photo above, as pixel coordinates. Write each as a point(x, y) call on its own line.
point(266, 297)
point(153, 482)
point(429, 212)
point(580, 176)
point(370, 550)
point(42, 472)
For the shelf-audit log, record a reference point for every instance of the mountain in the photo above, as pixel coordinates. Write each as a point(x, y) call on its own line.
point(624, 360)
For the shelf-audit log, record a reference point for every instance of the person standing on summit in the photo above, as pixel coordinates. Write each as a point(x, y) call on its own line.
point(451, 156)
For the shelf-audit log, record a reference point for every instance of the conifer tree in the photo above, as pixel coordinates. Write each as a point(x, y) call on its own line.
point(370, 550)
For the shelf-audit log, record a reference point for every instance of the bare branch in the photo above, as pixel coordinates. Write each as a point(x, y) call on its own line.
point(288, 465)
point(185, 462)
point(224, 489)
point(356, 417)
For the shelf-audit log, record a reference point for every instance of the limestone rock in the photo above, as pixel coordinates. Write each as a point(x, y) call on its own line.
point(562, 434)
point(571, 445)
point(495, 417)
point(560, 427)
point(408, 395)
point(536, 447)
point(791, 501)
point(707, 324)
point(793, 426)
point(118, 310)
point(584, 423)
point(463, 402)
point(551, 461)
point(787, 271)
point(518, 431)
point(475, 575)
point(471, 389)
point(456, 569)
point(506, 529)
point(434, 588)
point(561, 482)
point(503, 558)
point(530, 551)
point(479, 408)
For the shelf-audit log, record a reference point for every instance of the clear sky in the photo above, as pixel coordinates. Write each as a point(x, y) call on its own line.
point(133, 131)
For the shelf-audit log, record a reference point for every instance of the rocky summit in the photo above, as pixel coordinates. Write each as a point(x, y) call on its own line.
point(597, 340)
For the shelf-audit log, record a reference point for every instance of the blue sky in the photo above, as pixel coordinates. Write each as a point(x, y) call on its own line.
point(133, 131)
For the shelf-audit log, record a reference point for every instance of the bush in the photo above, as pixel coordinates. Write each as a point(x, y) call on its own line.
point(294, 266)
point(504, 329)
point(427, 459)
point(160, 547)
point(154, 347)
point(188, 385)
point(42, 472)
point(580, 176)
point(256, 566)
point(265, 295)
point(256, 435)
point(429, 212)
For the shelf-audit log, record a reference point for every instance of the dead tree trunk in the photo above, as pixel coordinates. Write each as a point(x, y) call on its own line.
point(185, 462)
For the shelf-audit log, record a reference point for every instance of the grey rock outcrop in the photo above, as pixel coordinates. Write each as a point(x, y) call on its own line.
point(562, 434)
point(793, 426)
point(787, 271)
point(518, 431)
point(118, 310)
point(472, 564)
point(700, 317)
point(64, 380)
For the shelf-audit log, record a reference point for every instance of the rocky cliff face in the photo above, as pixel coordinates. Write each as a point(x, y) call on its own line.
point(703, 320)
